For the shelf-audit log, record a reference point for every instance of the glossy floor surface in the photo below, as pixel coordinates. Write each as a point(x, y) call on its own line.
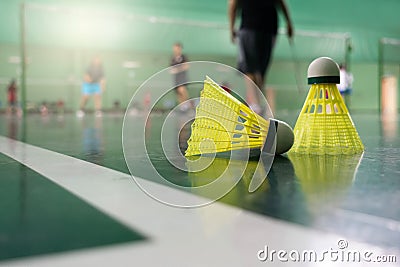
point(81, 206)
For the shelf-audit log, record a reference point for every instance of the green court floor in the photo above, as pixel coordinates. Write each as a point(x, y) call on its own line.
point(355, 197)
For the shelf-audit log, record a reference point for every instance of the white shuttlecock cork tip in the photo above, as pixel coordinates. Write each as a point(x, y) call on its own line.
point(323, 70)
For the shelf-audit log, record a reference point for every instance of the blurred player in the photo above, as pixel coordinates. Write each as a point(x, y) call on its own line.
point(256, 38)
point(93, 84)
point(179, 70)
point(12, 105)
point(346, 81)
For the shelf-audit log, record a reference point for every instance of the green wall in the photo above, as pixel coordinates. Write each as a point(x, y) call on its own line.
point(63, 35)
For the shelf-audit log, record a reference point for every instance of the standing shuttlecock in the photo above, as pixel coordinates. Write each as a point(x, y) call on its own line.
point(324, 125)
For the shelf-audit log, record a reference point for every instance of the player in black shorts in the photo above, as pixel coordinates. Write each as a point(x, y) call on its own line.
point(179, 71)
point(256, 37)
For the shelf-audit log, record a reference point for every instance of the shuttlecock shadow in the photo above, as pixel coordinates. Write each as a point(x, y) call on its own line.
point(279, 196)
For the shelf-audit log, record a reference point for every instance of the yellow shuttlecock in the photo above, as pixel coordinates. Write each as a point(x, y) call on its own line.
point(324, 125)
point(223, 123)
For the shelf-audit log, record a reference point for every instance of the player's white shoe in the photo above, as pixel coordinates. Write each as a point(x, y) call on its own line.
point(80, 113)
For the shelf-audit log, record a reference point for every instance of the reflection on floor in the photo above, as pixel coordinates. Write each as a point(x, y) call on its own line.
point(348, 197)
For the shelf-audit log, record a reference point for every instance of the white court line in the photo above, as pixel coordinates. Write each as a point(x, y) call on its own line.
point(389, 224)
point(215, 235)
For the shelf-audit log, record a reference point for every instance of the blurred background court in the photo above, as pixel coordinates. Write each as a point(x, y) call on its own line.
point(134, 39)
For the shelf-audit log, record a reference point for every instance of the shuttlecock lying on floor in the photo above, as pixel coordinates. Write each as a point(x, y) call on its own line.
point(223, 123)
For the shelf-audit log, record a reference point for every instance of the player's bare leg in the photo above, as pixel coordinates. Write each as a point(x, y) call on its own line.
point(97, 104)
point(182, 97)
point(84, 100)
point(80, 112)
point(251, 92)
